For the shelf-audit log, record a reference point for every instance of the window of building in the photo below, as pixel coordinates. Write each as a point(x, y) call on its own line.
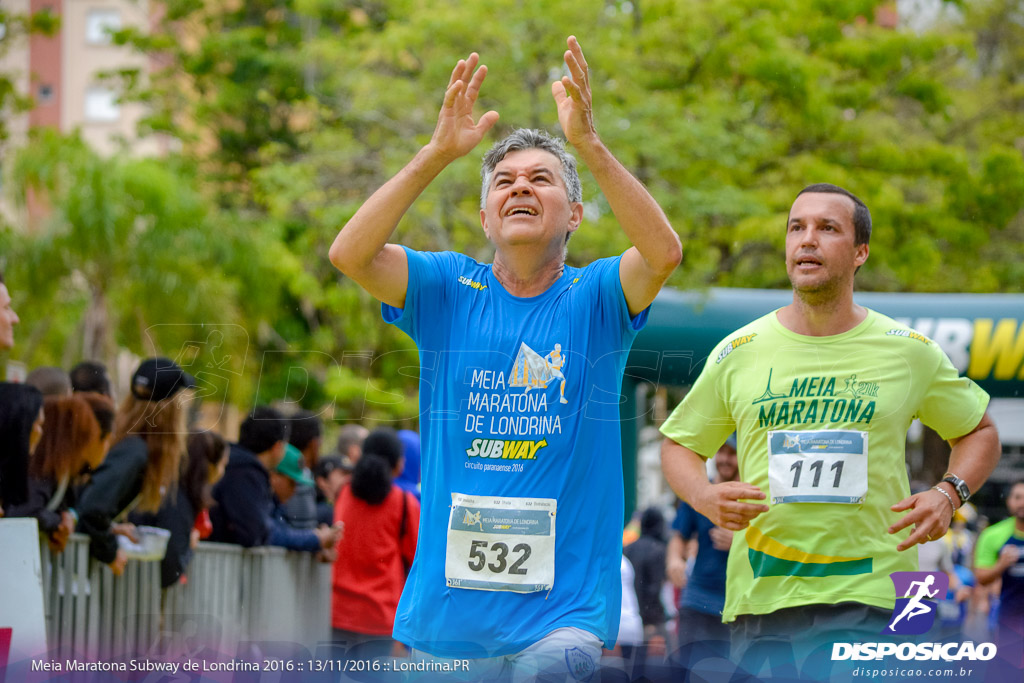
point(99, 23)
point(101, 105)
point(44, 93)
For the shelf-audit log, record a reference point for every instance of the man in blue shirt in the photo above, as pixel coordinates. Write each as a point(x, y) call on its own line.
point(701, 632)
point(521, 364)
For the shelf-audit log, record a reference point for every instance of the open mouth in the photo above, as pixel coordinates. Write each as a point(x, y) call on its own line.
point(808, 261)
point(521, 211)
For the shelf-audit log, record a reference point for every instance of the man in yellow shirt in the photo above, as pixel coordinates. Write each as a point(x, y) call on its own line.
point(821, 393)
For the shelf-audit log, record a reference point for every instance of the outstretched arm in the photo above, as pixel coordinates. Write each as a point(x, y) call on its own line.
point(361, 249)
point(656, 247)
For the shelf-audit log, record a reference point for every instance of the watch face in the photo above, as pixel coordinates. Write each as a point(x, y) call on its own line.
point(960, 486)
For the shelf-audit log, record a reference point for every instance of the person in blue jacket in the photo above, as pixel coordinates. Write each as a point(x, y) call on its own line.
point(243, 512)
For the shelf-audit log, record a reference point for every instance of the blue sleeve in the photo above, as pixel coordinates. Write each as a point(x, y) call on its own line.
point(291, 538)
point(611, 301)
point(685, 522)
point(430, 276)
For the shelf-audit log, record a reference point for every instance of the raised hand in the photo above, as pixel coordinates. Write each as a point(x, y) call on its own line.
point(572, 97)
point(456, 133)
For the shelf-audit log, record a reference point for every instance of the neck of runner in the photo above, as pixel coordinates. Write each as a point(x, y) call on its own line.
point(821, 316)
point(523, 277)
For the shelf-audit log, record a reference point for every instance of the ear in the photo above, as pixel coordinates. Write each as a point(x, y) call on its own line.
point(277, 452)
point(576, 217)
point(862, 251)
point(483, 223)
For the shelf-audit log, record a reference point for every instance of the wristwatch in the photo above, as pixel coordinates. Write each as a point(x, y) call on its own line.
point(959, 485)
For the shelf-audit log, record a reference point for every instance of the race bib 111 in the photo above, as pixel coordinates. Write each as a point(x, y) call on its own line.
point(827, 466)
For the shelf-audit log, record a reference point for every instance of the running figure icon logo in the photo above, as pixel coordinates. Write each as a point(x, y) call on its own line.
point(471, 518)
point(916, 596)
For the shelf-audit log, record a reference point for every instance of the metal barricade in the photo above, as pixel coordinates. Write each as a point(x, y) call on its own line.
point(233, 597)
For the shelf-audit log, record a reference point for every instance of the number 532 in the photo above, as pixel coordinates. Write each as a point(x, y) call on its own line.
point(499, 561)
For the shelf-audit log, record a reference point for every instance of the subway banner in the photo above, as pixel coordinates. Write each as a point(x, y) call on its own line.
point(983, 334)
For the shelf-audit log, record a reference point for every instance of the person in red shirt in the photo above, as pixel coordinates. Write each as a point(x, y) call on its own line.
point(373, 558)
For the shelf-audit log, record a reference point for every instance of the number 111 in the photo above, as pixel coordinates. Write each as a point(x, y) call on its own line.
point(816, 467)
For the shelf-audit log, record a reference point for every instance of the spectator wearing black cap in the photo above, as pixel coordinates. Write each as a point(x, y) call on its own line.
point(91, 376)
point(149, 443)
point(300, 509)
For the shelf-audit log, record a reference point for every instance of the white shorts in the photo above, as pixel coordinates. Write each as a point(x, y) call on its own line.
point(565, 654)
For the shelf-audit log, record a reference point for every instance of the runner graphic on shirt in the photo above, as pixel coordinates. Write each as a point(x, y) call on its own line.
point(532, 371)
point(555, 361)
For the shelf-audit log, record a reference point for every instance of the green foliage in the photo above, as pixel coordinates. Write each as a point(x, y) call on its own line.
point(291, 112)
point(125, 253)
point(15, 29)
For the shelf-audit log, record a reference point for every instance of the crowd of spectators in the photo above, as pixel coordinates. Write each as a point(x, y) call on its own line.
point(74, 460)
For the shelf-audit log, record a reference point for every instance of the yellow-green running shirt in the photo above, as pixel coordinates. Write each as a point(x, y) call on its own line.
point(821, 425)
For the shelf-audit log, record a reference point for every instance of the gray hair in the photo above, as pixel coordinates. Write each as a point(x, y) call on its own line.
point(530, 138)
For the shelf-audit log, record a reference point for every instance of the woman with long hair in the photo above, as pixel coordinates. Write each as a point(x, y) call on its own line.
point(72, 442)
point(21, 427)
point(207, 458)
point(144, 464)
point(373, 558)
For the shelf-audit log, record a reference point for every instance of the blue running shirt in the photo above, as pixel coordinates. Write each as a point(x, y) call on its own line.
point(521, 523)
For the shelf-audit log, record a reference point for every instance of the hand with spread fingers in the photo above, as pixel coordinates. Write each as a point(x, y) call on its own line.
point(456, 133)
point(930, 514)
point(573, 98)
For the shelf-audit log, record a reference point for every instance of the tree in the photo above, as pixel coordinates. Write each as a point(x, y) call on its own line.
point(128, 253)
point(293, 111)
point(13, 28)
